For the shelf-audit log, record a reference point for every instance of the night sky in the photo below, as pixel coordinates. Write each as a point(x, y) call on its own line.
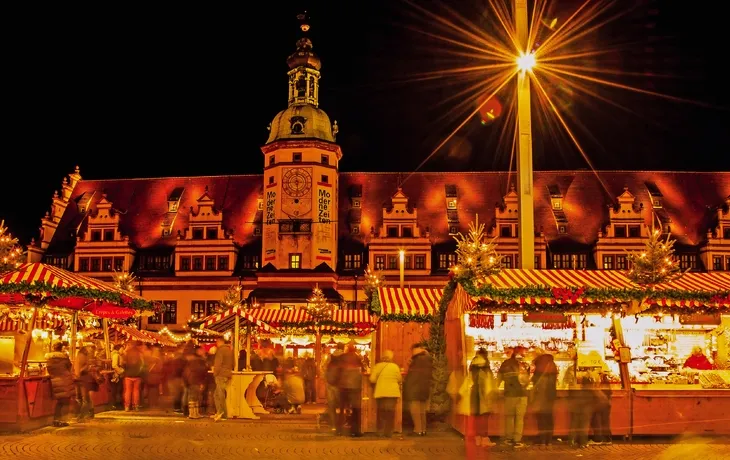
point(161, 92)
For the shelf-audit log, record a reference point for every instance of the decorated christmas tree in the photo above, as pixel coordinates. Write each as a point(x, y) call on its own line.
point(124, 281)
point(10, 251)
point(318, 307)
point(477, 256)
point(656, 264)
point(232, 297)
point(373, 281)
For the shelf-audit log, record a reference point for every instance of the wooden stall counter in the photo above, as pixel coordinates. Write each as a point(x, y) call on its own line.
point(241, 399)
point(662, 409)
point(369, 414)
point(620, 416)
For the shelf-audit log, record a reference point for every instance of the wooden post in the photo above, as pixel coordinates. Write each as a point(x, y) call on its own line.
point(624, 371)
point(74, 328)
point(248, 346)
point(107, 345)
point(236, 345)
point(26, 350)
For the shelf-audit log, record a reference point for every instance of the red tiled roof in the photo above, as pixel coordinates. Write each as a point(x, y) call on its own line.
point(689, 200)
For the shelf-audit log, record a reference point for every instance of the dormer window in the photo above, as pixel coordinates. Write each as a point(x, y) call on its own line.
point(356, 203)
point(505, 231)
point(726, 233)
point(634, 231)
point(562, 229)
point(451, 204)
point(392, 232)
point(407, 232)
point(453, 230)
point(198, 233)
point(557, 204)
point(96, 235)
point(173, 201)
point(619, 231)
point(260, 204)
point(108, 235)
point(211, 233)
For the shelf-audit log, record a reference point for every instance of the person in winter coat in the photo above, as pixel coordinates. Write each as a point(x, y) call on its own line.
point(350, 387)
point(222, 371)
point(309, 374)
point(133, 372)
point(544, 393)
point(195, 376)
point(473, 400)
point(332, 372)
point(62, 381)
point(387, 378)
point(117, 380)
point(417, 387)
point(515, 374)
point(85, 381)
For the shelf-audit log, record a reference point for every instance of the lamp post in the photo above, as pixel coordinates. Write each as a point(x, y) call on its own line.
point(525, 206)
point(402, 255)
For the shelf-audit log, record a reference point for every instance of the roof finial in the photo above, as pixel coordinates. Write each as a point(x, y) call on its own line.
point(303, 21)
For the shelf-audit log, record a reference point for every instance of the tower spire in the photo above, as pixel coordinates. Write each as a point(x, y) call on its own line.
point(304, 68)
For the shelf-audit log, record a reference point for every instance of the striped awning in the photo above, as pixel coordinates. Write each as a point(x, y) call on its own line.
point(39, 277)
point(132, 333)
point(226, 320)
point(360, 319)
point(163, 340)
point(409, 301)
point(574, 280)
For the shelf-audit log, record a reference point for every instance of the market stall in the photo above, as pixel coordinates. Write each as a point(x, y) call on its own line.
point(36, 291)
point(601, 313)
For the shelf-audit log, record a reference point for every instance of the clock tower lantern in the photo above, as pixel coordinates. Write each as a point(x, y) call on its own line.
point(301, 162)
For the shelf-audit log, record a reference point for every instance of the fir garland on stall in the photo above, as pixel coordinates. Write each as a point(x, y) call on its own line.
point(373, 281)
point(440, 400)
point(42, 293)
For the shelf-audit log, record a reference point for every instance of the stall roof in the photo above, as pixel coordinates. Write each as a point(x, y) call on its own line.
point(226, 320)
point(341, 319)
point(132, 333)
point(409, 301)
point(292, 294)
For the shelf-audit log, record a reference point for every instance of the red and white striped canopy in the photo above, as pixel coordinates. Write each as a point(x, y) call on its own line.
point(360, 319)
point(163, 340)
point(226, 320)
point(409, 301)
point(133, 334)
point(602, 279)
point(54, 277)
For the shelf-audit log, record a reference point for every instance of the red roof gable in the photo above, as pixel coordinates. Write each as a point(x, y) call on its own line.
point(688, 199)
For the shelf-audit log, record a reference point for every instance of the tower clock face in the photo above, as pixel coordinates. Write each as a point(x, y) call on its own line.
point(297, 182)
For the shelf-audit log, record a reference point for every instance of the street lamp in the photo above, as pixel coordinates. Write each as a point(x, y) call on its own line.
point(402, 255)
point(525, 205)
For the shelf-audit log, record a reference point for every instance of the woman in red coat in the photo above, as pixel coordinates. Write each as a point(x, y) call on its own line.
point(698, 360)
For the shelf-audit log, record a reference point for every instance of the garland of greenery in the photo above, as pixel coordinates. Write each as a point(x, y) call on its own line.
point(440, 400)
point(42, 293)
point(375, 307)
point(604, 295)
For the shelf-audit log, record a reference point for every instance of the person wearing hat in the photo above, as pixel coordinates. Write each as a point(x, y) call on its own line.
point(515, 374)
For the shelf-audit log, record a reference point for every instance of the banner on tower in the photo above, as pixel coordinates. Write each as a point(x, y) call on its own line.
point(324, 239)
point(270, 235)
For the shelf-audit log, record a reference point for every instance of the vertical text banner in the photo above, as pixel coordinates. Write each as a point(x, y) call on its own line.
point(271, 229)
point(324, 239)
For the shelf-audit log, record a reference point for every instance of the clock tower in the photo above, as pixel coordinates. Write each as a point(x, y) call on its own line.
point(301, 161)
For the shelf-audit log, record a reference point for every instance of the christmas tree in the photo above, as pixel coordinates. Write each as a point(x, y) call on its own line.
point(10, 251)
point(656, 264)
point(318, 307)
point(373, 281)
point(477, 258)
point(232, 297)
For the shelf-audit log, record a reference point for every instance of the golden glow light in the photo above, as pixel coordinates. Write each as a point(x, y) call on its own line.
point(526, 62)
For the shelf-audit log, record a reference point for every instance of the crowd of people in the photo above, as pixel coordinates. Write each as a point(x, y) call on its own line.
point(532, 385)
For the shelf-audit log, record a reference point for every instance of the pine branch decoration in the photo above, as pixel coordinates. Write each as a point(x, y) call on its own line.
point(477, 257)
point(124, 281)
point(656, 264)
point(10, 251)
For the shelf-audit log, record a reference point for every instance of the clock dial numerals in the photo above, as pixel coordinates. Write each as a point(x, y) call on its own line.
point(297, 182)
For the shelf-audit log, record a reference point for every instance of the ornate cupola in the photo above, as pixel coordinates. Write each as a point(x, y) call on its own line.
point(303, 119)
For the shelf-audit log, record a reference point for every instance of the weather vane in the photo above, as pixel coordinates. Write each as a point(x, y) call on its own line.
point(304, 21)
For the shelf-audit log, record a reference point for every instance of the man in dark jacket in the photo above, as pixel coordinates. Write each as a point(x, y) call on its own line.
point(417, 387)
point(222, 371)
point(515, 374)
point(62, 381)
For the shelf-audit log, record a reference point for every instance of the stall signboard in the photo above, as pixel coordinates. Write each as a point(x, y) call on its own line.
point(544, 317)
point(700, 319)
point(112, 312)
point(589, 356)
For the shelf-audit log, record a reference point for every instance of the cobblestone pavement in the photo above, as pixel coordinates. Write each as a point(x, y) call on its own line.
point(141, 437)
